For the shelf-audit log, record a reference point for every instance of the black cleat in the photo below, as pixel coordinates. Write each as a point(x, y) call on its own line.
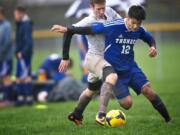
point(76, 118)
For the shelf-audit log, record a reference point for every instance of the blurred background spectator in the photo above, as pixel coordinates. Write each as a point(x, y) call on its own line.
point(24, 51)
point(6, 60)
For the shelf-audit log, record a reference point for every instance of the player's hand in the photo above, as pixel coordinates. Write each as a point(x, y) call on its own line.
point(152, 52)
point(19, 55)
point(58, 29)
point(63, 66)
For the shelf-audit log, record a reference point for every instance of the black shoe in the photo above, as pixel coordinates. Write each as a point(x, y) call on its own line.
point(168, 119)
point(76, 118)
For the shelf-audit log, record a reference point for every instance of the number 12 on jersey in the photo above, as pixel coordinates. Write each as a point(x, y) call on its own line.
point(125, 49)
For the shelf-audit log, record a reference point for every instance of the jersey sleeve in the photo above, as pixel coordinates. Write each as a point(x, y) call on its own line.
point(147, 37)
point(98, 28)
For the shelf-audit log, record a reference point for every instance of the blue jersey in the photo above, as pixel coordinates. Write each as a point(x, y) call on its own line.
point(51, 64)
point(119, 42)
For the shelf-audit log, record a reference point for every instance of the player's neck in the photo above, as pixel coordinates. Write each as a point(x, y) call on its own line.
point(103, 18)
point(126, 24)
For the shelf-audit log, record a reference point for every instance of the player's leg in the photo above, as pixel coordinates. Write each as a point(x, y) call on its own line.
point(93, 86)
point(105, 71)
point(23, 82)
point(156, 102)
point(6, 70)
point(28, 86)
point(110, 78)
point(140, 84)
point(8, 81)
point(97, 65)
point(121, 92)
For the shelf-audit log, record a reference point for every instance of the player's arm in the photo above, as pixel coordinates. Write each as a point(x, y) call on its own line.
point(7, 41)
point(148, 38)
point(66, 44)
point(94, 29)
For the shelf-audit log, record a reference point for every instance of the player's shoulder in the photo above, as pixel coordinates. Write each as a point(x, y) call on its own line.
point(116, 22)
point(86, 21)
point(141, 29)
point(109, 9)
point(110, 12)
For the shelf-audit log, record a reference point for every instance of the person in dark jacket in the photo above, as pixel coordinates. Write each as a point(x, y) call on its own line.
point(24, 51)
point(6, 54)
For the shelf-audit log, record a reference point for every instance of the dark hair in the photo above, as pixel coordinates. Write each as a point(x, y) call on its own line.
point(2, 10)
point(21, 9)
point(137, 12)
point(92, 2)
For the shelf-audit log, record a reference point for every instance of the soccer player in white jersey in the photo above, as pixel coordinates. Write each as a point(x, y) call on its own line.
point(99, 69)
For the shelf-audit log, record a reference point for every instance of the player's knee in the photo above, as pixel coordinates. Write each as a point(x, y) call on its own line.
point(126, 103)
point(109, 75)
point(89, 93)
point(112, 78)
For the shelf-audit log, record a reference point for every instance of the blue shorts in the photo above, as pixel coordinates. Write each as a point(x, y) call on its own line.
point(6, 68)
point(134, 78)
point(23, 67)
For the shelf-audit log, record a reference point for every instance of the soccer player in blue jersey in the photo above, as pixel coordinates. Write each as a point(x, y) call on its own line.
point(24, 50)
point(120, 37)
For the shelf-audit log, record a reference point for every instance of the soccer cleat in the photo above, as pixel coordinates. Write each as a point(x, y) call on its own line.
point(76, 118)
point(101, 118)
point(168, 119)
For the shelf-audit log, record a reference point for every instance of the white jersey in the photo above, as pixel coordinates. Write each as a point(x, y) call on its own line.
point(96, 43)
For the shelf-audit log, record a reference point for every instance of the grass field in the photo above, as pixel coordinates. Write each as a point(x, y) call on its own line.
point(142, 119)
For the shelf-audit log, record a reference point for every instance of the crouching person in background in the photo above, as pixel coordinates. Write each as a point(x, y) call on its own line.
point(24, 50)
point(49, 76)
point(6, 54)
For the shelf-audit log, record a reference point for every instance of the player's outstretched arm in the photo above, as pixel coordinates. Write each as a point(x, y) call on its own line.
point(81, 30)
point(67, 41)
point(64, 64)
point(58, 29)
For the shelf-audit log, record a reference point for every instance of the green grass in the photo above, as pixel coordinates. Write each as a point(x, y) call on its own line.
point(142, 119)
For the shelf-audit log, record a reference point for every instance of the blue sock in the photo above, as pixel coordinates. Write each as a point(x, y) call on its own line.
point(20, 93)
point(28, 87)
point(8, 92)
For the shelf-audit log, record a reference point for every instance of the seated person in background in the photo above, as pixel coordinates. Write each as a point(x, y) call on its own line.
point(49, 75)
point(48, 70)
